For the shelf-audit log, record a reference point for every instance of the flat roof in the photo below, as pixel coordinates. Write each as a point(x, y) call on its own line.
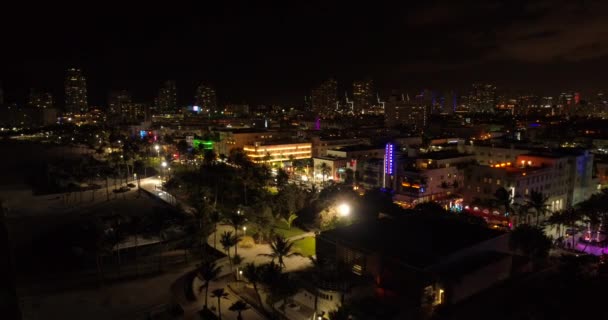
point(441, 155)
point(419, 240)
point(358, 147)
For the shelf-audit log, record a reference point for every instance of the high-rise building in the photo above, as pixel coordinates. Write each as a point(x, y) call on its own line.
point(324, 98)
point(40, 99)
point(166, 102)
point(411, 113)
point(75, 91)
point(449, 103)
point(118, 101)
point(206, 99)
point(482, 98)
point(362, 96)
point(121, 108)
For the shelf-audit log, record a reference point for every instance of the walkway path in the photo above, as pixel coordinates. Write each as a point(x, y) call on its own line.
point(152, 185)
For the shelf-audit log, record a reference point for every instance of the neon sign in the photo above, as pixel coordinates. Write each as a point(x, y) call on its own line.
point(389, 159)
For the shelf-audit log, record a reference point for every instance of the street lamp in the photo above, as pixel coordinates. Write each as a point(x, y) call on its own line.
point(163, 165)
point(344, 210)
point(245, 230)
point(157, 148)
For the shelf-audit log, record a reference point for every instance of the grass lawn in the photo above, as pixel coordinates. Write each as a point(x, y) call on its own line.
point(305, 246)
point(279, 228)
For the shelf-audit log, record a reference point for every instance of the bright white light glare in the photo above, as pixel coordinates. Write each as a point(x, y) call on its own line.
point(164, 164)
point(343, 210)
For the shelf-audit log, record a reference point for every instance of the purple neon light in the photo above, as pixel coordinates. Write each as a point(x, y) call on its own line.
point(389, 159)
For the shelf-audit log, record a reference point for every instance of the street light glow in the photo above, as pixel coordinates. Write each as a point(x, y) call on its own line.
point(156, 147)
point(164, 164)
point(344, 210)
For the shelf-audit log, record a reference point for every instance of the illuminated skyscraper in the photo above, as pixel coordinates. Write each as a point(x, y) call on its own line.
point(121, 108)
point(75, 92)
point(206, 98)
point(40, 99)
point(362, 96)
point(482, 98)
point(413, 114)
point(166, 102)
point(324, 99)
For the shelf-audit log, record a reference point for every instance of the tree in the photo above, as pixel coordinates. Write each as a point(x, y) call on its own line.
point(182, 147)
point(342, 313)
point(504, 199)
point(324, 169)
point(207, 272)
point(521, 211)
point(252, 273)
point(219, 294)
point(215, 218)
point(282, 178)
point(236, 220)
point(567, 218)
point(239, 307)
point(289, 220)
point(227, 240)
point(237, 260)
point(281, 248)
point(349, 176)
point(538, 202)
point(531, 241)
point(209, 156)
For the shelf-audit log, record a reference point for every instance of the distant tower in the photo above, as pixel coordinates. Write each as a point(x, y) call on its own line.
point(166, 102)
point(206, 98)
point(362, 96)
point(324, 98)
point(482, 98)
point(75, 92)
point(40, 99)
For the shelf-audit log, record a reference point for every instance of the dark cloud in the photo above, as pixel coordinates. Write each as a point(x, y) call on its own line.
point(557, 30)
point(256, 52)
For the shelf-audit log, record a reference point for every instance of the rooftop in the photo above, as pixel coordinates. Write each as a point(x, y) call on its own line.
point(359, 147)
point(418, 240)
point(441, 155)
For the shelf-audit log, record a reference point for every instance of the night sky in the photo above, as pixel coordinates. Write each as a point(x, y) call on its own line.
point(277, 53)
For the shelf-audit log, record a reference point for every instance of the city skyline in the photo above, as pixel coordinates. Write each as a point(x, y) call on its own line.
point(516, 46)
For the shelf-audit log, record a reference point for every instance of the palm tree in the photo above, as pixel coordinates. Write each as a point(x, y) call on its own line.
point(538, 202)
point(207, 272)
point(289, 221)
point(566, 218)
point(215, 219)
point(531, 241)
point(236, 220)
point(253, 274)
point(237, 260)
point(521, 211)
point(239, 307)
point(227, 240)
point(325, 170)
point(504, 199)
point(281, 248)
point(219, 294)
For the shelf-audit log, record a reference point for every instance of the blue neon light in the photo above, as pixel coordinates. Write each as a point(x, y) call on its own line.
point(389, 159)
